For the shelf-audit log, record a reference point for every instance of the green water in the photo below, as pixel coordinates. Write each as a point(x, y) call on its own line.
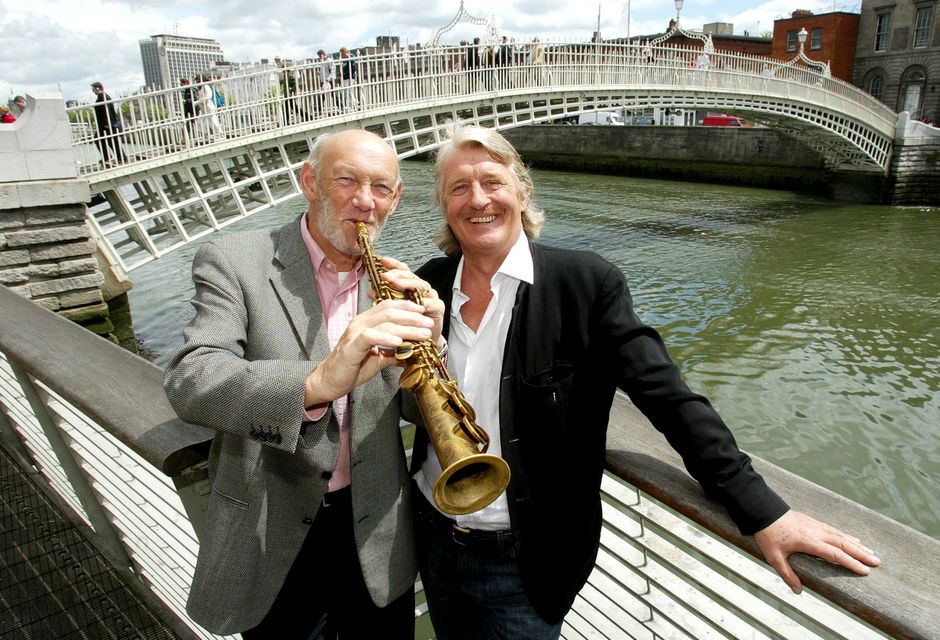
point(813, 326)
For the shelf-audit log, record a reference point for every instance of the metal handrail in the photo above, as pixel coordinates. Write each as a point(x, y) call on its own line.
point(662, 565)
point(291, 97)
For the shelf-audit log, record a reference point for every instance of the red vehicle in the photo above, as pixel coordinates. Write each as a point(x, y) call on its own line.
point(724, 121)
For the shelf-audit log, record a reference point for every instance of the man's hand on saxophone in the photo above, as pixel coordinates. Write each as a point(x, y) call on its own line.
point(369, 342)
point(401, 278)
point(366, 347)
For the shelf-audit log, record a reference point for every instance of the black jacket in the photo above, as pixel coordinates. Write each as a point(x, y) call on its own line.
point(573, 339)
point(106, 116)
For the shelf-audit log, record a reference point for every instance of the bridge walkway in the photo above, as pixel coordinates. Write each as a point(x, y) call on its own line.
point(54, 584)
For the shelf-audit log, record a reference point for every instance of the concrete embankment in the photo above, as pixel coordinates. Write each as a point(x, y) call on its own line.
point(755, 157)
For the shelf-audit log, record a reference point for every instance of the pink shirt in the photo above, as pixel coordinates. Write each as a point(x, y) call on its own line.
point(340, 302)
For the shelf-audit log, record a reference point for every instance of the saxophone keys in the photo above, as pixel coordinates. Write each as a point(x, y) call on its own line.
point(405, 351)
point(410, 378)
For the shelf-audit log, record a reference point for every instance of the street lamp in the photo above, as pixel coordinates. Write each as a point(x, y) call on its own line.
point(816, 65)
point(704, 38)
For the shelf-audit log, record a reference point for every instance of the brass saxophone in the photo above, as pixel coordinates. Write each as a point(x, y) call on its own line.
point(471, 478)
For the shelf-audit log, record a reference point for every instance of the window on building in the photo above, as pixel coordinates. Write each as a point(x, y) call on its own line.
point(791, 40)
point(875, 83)
point(922, 23)
point(883, 32)
point(816, 39)
point(911, 98)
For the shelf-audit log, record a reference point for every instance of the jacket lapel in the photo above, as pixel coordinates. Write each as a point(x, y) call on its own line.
point(295, 284)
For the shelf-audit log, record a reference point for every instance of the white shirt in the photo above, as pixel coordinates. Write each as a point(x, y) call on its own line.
point(475, 360)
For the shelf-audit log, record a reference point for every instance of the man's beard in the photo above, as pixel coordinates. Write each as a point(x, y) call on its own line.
point(332, 231)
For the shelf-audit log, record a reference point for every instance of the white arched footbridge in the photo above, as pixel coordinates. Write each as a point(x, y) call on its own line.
point(171, 179)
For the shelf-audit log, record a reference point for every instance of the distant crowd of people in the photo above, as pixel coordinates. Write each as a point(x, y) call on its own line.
point(329, 85)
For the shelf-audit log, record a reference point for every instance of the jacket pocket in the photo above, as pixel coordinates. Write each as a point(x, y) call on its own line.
point(546, 401)
point(231, 500)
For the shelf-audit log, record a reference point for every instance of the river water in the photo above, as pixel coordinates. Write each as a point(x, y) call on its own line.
point(813, 326)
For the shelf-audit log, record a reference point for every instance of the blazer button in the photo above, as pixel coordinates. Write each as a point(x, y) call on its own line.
point(255, 433)
point(326, 475)
point(277, 438)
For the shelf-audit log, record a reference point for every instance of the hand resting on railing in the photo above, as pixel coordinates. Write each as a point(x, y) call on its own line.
point(796, 532)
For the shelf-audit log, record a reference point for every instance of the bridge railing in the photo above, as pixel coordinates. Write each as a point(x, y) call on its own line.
point(154, 124)
point(92, 419)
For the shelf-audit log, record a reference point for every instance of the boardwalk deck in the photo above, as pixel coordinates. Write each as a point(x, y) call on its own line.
point(54, 584)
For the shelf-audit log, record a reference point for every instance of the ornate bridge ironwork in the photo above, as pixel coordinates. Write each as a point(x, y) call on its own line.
point(179, 178)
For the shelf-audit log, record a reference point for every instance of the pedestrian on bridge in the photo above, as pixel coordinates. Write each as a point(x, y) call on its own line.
point(287, 80)
point(349, 74)
point(189, 108)
point(540, 338)
point(535, 56)
point(207, 104)
point(308, 530)
point(109, 127)
point(324, 74)
point(473, 64)
point(504, 60)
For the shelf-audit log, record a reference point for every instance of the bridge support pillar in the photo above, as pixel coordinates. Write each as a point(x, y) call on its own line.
point(47, 252)
point(914, 173)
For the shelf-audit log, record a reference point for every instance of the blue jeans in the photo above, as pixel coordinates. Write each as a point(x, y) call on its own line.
point(474, 593)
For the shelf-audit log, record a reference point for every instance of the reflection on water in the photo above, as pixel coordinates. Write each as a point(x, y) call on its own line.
point(811, 325)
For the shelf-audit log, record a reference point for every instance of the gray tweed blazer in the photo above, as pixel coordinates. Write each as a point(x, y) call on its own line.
point(257, 334)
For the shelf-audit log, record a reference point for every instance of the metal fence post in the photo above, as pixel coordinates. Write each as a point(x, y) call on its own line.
point(107, 534)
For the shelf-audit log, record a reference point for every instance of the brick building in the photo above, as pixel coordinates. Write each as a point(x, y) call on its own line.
point(897, 55)
point(830, 37)
point(722, 35)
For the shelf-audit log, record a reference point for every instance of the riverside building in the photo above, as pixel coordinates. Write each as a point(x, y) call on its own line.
point(897, 56)
point(167, 58)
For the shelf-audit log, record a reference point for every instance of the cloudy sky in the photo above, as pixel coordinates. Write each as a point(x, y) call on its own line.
point(64, 45)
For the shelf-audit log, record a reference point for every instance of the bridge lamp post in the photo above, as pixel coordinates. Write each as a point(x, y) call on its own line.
point(704, 38)
point(821, 67)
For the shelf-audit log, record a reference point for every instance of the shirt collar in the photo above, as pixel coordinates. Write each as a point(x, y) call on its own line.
point(517, 263)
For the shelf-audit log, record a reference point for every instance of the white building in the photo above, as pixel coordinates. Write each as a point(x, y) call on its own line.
point(169, 58)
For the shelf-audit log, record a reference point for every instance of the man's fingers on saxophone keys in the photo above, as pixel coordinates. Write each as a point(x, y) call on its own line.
point(404, 280)
point(402, 319)
point(391, 264)
point(384, 309)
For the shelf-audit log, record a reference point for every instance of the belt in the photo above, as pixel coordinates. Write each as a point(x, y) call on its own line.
point(462, 536)
point(480, 539)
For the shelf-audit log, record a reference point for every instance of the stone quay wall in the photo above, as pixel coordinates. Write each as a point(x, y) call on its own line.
point(914, 177)
point(757, 157)
point(47, 253)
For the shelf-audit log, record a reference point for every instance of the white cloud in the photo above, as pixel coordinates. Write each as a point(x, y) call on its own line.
point(52, 44)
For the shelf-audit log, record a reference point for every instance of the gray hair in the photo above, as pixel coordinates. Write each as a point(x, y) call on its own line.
point(315, 157)
point(460, 136)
